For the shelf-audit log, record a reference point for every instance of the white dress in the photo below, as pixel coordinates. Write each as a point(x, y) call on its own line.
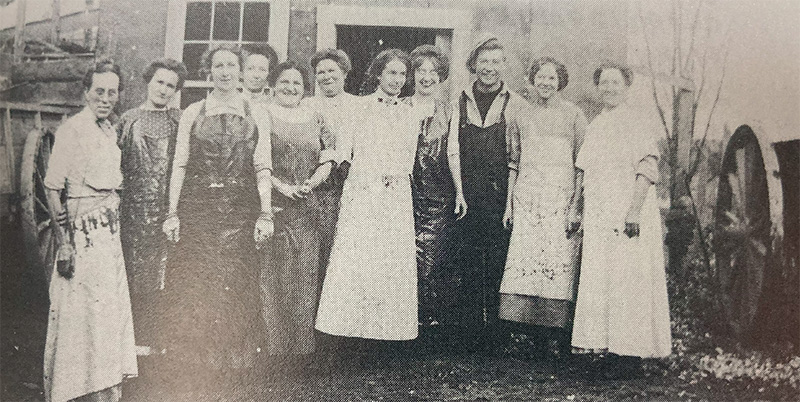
point(622, 304)
point(370, 288)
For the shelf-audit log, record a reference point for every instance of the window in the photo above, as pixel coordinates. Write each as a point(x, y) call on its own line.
point(194, 25)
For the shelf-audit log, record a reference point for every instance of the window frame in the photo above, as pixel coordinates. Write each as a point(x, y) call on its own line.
point(278, 32)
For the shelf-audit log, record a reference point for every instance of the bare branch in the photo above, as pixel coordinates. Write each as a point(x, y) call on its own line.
point(653, 73)
point(675, 34)
point(693, 37)
point(679, 39)
point(703, 63)
point(696, 162)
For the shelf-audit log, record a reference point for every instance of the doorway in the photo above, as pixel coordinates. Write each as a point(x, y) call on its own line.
point(363, 43)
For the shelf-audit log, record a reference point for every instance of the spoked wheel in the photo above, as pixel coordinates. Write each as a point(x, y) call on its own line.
point(40, 243)
point(742, 232)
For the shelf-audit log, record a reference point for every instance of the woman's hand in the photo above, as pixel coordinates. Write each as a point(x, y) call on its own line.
point(306, 188)
point(172, 228)
point(632, 224)
point(508, 217)
point(572, 222)
point(65, 261)
point(461, 206)
point(263, 230)
point(290, 191)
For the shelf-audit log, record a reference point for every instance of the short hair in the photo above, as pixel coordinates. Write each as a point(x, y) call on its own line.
point(433, 53)
point(337, 55)
point(263, 49)
point(377, 66)
point(627, 73)
point(276, 72)
point(208, 55)
point(491, 44)
point(561, 70)
point(167, 64)
point(100, 67)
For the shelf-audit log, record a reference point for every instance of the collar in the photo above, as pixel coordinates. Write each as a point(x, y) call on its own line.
point(87, 118)
point(471, 94)
point(214, 105)
point(383, 97)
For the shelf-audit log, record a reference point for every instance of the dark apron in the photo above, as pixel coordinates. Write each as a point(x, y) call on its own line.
point(212, 276)
point(482, 240)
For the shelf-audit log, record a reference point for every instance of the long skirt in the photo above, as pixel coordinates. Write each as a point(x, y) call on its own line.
point(370, 289)
point(90, 342)
point(289, 283)
point(538, 285)
point(145, 248)
point(622, 304)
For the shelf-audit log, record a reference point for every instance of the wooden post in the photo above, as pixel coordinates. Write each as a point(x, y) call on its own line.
point(19, 31)
point(683, 126)
point(55, 34)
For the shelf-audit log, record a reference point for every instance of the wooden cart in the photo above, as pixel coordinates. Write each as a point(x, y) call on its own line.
point(26, 143)
point(756, 238)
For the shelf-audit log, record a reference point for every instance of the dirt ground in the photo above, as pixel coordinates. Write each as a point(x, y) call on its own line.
point(400, 376)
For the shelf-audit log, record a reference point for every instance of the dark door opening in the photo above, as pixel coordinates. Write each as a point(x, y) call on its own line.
point(363, 43)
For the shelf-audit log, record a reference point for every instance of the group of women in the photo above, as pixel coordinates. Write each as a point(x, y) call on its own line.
point(365, 216)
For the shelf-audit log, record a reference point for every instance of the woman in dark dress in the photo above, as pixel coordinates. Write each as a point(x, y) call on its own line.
point(432, 184)
point(222, 165)
point(146, 137)
point(303, 156)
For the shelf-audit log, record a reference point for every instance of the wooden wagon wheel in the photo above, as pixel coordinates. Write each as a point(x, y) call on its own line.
point(742, 232)
point(40, 244)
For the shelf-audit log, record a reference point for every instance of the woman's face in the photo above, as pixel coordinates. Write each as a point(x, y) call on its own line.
point(289, 88)
point(489, 65)
point(162, 87)
point(254, 75)
point(426, 78)
point(330, 77)
point(612, 87)
point(225, 70)
point(393, 77)
point(546, 81)
point(103, 95)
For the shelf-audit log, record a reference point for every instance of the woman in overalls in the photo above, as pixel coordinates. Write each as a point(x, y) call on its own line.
point(484, 148)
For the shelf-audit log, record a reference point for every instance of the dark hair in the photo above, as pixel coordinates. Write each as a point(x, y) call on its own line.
point(208, 56)
point(167, 64)
point(100, 67)
point(377, 66)
point(338, 56)
point(491, 44)
point(276, 72)
point(263, 49)
point(627, 74)
point(561, 71)
point(433, 53)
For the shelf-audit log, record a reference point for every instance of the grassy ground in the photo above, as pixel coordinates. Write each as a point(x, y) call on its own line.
point(400, 376)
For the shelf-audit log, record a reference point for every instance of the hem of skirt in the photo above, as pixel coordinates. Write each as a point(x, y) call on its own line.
point(367, 336)
point(535, 310)
point(606, 350)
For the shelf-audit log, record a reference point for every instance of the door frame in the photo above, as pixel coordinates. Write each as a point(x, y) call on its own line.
point(457, 20)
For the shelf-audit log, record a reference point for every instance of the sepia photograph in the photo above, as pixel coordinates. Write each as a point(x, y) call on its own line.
point(392, 200)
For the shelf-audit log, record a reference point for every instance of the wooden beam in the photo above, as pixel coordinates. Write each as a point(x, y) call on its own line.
point(11, 159)
point(32, 107)
point(19, 31)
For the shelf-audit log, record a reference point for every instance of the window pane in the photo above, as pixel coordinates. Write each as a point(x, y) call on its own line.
point(198, 20)
point(256, 22)
point(192, 95)
point(226, 20)
point(191, 57)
